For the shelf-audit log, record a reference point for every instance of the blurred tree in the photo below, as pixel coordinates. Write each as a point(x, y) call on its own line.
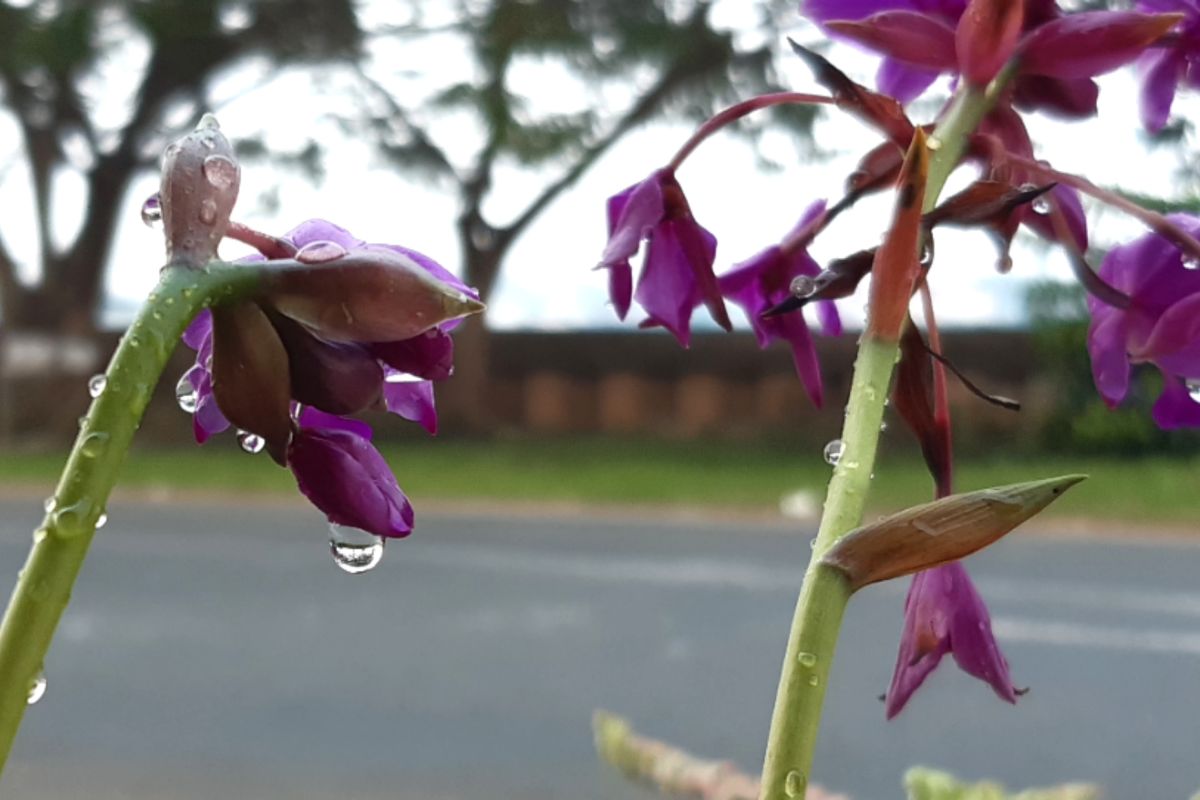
point(631, 61)
point(55, 65)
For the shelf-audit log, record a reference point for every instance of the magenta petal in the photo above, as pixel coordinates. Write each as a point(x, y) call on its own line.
point(1110, 365)
point(903, 81)
point(804, 356)
point(315, 418)
point(347, 479)
point(909, 36)
point(412, 400)
point(1162, 71)
point(667, 285)
point(319, 230)
point(429, 355)
point(828, 317)
point(199, 330)
point(1089, 43)
point(641, 208)
point(207, 419)
point(1175, 407)
point(620, 287)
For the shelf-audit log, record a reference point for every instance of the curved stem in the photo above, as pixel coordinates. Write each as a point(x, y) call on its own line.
point(739, 110)
point(61, 542)
point(825, 592)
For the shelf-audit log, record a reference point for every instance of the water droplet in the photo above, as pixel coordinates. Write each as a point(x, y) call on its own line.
point(802, 286)
point(807, 659)
point(320, 252)
point(812, 543)
point(208, 212)
point(37, 689)
point(152, 211)
point(220, 171)
point(795, 784)
point(49, 504)
point(186, 395)
point(354, 551)
point(926, 253)
point(101, 520)
point(1190, 261)
point(96, 385)
point(251, 442)
point(1041, 205)
point(833, 452)
point(925, 527)
point(882, 426)
point(208, 122)
point(933, 143)
point(1193, 389)
point(93, 444)
point(813, 680)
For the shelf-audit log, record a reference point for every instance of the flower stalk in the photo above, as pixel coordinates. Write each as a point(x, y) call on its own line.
point(826, 591)
point(61, 542)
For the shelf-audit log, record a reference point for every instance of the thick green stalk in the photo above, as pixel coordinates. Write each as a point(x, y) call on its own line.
point(61, 542)
point(825, 592)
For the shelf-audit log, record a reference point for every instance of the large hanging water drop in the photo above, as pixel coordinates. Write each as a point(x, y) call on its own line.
point(152, 211)
point(186, 395)
point(96, 385)
point(833, 452)
point(37, 689)
point(354, 551)
point(251, 442)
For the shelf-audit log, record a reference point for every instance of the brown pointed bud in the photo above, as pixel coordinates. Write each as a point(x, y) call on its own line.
point(984, 202)
point(200, 178)
point(250, 375)
point(883, 112)
point(877, 169)
point(912, 397)
point(897, 259)
point(936, 533)
point(986, 37)
point(369, 294)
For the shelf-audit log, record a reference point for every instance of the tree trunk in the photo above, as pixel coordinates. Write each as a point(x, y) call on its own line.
point(466, 396)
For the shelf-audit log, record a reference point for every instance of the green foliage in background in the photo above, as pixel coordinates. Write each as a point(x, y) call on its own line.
point(923, 783)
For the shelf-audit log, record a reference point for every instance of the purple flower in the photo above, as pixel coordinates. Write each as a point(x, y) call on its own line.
point(1058, 53)
point(1161, 326)
point(1174, 62)
point(313, 347)
point(677, 273)
point(945, 614)
point(765, 281)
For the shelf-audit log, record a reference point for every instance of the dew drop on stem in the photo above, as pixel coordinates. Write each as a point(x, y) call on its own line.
point(37, 689)
point(833, 452)
point(96, 385)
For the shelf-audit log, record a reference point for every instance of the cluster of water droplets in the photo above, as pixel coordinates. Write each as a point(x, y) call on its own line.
point(354, 551)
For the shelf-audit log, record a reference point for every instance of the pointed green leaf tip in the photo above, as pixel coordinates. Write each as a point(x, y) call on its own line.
point(945, 530)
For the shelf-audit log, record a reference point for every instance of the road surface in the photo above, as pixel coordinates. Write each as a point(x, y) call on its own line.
point(214, 651)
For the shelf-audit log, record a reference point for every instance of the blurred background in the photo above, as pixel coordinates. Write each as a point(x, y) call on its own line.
point(488, 133)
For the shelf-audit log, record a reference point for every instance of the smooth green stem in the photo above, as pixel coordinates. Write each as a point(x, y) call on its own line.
point(61, 542)
point(825, 592)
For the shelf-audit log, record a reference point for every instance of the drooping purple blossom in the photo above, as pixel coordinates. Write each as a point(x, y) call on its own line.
point(764, 281)
point(945, 614)
point(1174, 62)
point(677, 271)
point(331, 456)
point(1161, 326)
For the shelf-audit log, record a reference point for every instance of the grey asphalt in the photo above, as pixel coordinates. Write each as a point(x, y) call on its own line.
point(214, 651)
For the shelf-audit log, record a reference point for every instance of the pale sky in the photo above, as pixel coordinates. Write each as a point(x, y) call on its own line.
point(548, 281)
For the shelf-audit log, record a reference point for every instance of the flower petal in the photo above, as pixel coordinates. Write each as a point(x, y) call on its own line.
point(336, 378)
point(1175, 407)
point(347, 479)
point(412, 400)
point(907, 36)
point(903, 81)
point(1161, 73)
point(632, 213)
point(1090, 43)
point(986, 37)
point(1110, 365)
point(429, 355)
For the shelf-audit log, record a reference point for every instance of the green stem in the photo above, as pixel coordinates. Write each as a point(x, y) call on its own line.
point(825, 592)
point(61, 542)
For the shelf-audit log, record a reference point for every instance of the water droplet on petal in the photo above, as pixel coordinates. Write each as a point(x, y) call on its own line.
point(37, 689)
point(802, 286)
point(220, 171)
point(186, 395)
point(320, 252)
point(96, 385)
point(354, 551)
point(251, 442)
point(152, 211)
point(101, 520)
point(1041, 205)
point(1190, 261)
point(208, 212)
point(833, 452)
point(807, 659)
point(795, 784)
point(1193, 389)
point(926, 257)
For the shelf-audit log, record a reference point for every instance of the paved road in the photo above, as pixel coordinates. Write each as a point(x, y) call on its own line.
point(216, 652)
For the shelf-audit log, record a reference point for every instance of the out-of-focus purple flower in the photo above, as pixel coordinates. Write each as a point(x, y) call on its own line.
point(1059, 54)
point(338, 469)
point(677, 271)
point(945, 614)
point(764, 281)
point(268, 367)
point(1161, 326)
point(1174, 62)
